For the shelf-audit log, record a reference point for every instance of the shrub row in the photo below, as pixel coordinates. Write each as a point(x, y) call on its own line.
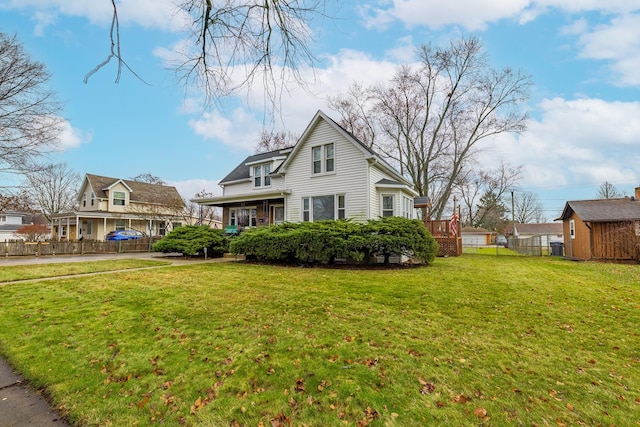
point(325, 241)
point(190, 240)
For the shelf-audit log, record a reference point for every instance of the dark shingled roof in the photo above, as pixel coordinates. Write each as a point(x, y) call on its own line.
point(141, 192)
point(242, 170)
point(604, 210)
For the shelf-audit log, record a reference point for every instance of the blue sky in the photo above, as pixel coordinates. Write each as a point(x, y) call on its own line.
point(583, 56)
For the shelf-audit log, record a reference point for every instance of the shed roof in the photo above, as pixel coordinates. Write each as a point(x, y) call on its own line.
point(603, 210)
point(542, 228)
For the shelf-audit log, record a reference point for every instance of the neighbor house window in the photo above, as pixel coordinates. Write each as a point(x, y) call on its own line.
point(118, 198)
point(84, 199)
point(387, 205)
point(87, 228)
point(121, 224)
point(242, 217)
point(3, 218)
point(93, 198)
point(261, 176)
point(323, 159)
point(63, 231)
point(323, 208)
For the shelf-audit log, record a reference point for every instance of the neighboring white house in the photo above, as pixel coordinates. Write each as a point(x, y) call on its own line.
point(548, 233)
point(10, 222)
point(475, 236)
point(328, 174)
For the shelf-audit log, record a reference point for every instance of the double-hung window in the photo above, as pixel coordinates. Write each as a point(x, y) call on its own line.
point(261, 176)
point(320, 208)
point(118, 198)
point(387, 204)
point(93, 198)
point(323, 159)
point(242, 217)
point(407, 207)
point(84, 199)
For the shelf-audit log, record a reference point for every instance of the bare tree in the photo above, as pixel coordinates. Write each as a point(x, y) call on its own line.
point(258, 38)
point(608, 191)
point(19, 201)
point(430, 120)
point(29, 121)
point(53, 188)
point(528, 209)
point(208, 215)
point(148, 178)
point(276, 140)
point(472, 185)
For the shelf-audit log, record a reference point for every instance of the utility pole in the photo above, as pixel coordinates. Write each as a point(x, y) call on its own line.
point(513, 219)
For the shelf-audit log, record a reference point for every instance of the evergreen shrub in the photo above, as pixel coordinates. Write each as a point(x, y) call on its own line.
point(326, 241)
point(190, 240)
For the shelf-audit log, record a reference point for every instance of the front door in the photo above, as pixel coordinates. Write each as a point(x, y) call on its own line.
point(277, 214)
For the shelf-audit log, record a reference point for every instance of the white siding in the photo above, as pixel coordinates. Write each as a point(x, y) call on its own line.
point(349, 178)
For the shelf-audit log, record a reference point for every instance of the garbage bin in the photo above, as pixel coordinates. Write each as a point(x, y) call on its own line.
point(557, 248)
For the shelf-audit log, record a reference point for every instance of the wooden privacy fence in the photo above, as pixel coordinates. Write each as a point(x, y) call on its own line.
point(81, 247)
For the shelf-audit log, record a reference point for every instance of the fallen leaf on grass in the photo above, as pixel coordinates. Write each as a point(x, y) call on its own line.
point(427, 387)
point(480, 412)
point(461, 398)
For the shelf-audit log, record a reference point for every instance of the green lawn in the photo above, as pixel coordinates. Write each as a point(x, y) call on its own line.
point(467, 341)
point(38, 271)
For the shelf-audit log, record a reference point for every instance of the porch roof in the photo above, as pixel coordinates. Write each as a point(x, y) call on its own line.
point(244, 197)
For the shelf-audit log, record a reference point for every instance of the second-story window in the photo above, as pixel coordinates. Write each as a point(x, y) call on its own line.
point(84, 199)
point(323, 159)
point(261, 176)
point(93, 198)
point(118, 198)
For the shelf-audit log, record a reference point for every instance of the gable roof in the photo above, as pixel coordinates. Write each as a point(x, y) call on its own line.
point(140, 192)
point(368, 152)
point(542, 228)
point(603, 210)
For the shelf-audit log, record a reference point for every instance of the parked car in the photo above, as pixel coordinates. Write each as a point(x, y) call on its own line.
point(501, 240)
point(124, 235)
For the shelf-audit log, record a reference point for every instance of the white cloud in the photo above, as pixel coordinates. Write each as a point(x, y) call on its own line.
point(619, 43)
point(188, 188)
point(160, 14)
point(239, 130)
point(584, 141)
point(71, 137)
point(475, 15)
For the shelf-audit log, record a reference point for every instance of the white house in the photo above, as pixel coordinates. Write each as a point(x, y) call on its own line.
point(549, 232)
point(328, 174)
point(10, 222)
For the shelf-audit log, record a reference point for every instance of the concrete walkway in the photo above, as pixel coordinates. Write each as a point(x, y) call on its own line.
point(20, 404)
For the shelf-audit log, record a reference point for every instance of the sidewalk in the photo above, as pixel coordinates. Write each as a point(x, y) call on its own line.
point(20, 405)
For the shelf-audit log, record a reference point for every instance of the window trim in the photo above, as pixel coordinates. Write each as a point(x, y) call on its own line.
point(393, 205)
point(123, 199)
point(253, 216)
point(323, 160)
point(260, 174)
point(339, 207)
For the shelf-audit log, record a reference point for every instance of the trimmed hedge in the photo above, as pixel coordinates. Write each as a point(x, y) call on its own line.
point(325, 241)
point(190, 240)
